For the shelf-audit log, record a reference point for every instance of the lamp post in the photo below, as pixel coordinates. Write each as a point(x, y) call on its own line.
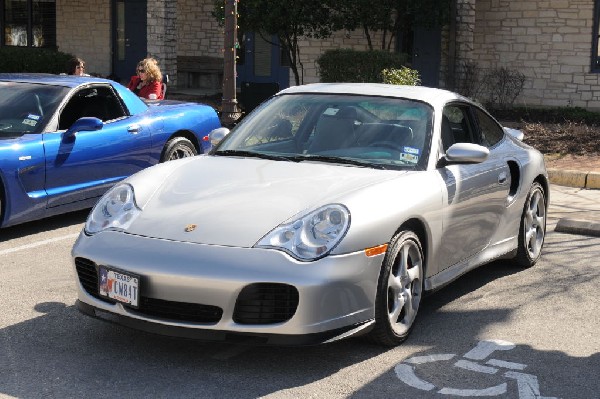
point(230, 111)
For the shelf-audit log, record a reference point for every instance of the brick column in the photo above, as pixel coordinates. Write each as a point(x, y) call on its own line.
point(464, 40)
point(162, 36)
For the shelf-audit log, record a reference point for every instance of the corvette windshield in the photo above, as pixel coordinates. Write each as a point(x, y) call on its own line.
point(26, 107)
point(364, 131)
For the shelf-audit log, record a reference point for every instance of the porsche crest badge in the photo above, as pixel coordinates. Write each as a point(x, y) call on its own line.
point(190, 227)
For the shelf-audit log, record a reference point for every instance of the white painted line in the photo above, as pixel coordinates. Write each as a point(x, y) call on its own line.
point(38, 244)
point(472, 366)
point(486, 348)
point(429, 358)
point(492, 391)
point(506, 365)
point(406, 374)
point(529, 388)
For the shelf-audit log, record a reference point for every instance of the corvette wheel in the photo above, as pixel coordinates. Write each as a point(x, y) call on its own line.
point(178, 147)
point(533, 227)
point(399, 290)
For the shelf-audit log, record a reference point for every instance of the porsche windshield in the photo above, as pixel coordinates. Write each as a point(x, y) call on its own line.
point(26, 107)
point(379, 132)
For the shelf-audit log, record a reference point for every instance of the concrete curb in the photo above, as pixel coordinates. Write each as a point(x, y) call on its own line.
point(575, 178)
point(575, 226)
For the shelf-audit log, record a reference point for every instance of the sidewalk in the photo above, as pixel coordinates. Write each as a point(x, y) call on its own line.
point(575, 194)
point(574, 210)
point(574, 171)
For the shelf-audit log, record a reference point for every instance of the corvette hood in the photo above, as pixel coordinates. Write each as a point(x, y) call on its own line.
point(236, 201)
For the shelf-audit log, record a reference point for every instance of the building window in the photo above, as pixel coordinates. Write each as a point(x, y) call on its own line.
point(28, 23)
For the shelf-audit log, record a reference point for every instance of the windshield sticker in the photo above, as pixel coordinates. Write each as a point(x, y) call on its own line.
point(331, 111)
point(34, 117)
point(409, 157)
point(411, 150)
point(29, 122)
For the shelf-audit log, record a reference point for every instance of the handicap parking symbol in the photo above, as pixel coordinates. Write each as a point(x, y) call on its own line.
point(527, 384)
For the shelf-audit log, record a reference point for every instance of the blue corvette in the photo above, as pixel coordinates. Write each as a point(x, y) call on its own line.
point(65, 140)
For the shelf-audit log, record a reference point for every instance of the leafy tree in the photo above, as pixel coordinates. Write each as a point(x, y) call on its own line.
point(289, 20)
point(388, 16)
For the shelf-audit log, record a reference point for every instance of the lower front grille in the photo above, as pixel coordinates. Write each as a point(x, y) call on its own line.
point(266, 303)
point(87, 271)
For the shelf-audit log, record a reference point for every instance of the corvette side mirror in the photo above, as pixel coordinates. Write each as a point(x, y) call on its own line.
point(83, 124)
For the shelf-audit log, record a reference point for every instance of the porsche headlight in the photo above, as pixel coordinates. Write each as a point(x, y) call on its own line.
point(311, 237)
point(115, 210)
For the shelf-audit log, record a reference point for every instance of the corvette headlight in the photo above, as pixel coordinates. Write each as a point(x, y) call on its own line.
point(311, 237)
point(115, 210)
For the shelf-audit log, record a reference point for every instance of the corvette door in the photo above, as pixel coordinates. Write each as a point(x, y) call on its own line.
point(476, 193)
point(85, 164)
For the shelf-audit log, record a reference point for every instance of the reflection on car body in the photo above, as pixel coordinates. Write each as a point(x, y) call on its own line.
point(65, 140)
point(328, 212)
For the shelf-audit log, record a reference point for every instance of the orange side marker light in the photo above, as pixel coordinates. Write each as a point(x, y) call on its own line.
point(378, 250)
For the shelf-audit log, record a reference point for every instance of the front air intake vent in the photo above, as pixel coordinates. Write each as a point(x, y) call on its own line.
point(266, 303)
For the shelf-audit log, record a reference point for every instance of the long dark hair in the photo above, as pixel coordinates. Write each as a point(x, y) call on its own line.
point(72, 65)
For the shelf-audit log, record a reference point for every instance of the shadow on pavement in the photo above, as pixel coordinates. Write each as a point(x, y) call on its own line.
point(43, 225)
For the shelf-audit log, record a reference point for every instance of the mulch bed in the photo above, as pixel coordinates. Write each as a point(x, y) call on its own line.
point(575, 138)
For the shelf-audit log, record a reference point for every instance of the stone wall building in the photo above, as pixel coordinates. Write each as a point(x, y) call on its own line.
point(549, 41)
point(553, 43)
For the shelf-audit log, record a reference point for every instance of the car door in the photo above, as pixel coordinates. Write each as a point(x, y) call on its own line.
point(84, 164)
point(476, 193)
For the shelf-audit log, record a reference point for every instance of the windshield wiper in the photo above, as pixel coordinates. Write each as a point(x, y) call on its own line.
point(343, 161)
point(242, 153)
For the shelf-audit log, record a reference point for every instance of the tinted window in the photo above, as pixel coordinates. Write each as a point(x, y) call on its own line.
point(26, 108)
point(491, 132)
point(98, 102)
point(457, 126)
point(373, 131)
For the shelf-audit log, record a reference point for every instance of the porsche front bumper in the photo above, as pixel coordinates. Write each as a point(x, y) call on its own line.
point(290, 302)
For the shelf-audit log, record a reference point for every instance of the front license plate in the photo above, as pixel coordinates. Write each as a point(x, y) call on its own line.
point(120, 286)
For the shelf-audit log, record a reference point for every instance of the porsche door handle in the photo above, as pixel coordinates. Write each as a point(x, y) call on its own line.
point(134, 129)
point(502, 178)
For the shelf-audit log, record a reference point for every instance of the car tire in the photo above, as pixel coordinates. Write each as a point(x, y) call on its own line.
point(178, 147)
point(399, 290)
point(532, 230)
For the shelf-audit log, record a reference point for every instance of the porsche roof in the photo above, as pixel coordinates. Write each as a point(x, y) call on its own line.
point(421, 93)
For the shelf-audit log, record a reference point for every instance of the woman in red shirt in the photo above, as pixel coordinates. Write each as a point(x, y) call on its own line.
point(147, 82)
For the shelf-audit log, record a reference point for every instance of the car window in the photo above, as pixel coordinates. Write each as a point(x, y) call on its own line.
point(491, 132)
point(99, 102)
point(27, 107)
point(372, 130)
point(457, 126)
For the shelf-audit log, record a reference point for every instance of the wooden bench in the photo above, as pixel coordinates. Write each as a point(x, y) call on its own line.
point(199, 72)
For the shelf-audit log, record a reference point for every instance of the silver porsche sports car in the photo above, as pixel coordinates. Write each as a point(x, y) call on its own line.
point(327, 212)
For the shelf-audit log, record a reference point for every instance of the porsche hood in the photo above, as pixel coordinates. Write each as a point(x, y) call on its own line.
point(236, 201)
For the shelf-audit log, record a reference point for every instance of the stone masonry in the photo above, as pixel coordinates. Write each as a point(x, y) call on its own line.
point(550, 41)
point(83, 29)
point(162, 36)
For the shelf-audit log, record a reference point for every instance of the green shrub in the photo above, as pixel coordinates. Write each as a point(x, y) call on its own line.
point(345, 65)
point(402, 76)
point(32, 59)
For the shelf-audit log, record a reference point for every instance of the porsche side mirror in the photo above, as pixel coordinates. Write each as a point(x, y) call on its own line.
point(516, 133)
point(84, 124)
point(464, 153)
point(217, 135)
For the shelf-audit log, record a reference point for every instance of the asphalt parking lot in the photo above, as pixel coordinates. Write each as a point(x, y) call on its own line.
point(496, 332)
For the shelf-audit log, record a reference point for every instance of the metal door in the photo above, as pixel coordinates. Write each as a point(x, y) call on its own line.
point(129, 43)
point(426, 55)
point(261, 61)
